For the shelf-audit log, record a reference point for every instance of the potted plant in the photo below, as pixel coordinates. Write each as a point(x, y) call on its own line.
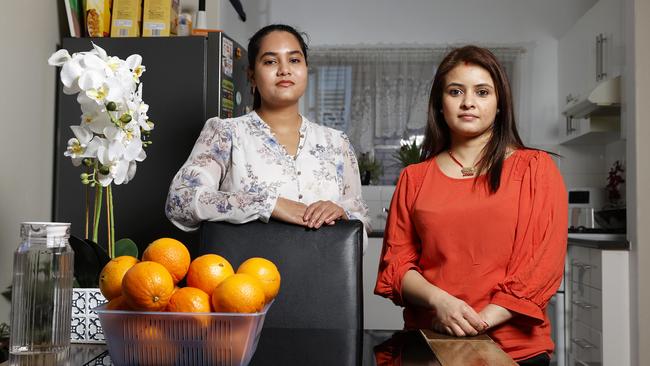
point(408, 153)
point(369, 169)
point(108, 143)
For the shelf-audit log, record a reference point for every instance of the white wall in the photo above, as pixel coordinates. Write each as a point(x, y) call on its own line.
point(495, 22)
point(221, 15)
point(29, 33)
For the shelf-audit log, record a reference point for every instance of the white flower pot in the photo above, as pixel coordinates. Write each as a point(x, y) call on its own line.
point(85, 325)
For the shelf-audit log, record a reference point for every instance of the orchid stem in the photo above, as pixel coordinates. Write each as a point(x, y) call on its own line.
point(87, 211)
point(98, 211)
point(112, 221)
point(108, 224)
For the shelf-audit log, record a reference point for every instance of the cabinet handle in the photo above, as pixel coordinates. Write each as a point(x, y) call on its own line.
point(598, 44)
point(582, 343)
point(583, 305)
point(603, 41)
point(600, 57)
point(569, 125)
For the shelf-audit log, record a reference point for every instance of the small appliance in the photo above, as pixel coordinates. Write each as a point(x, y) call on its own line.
point(583, 202)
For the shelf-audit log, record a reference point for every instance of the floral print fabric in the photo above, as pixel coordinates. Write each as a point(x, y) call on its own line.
point(237, 170)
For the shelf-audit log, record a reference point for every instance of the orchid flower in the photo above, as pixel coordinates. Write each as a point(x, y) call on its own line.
point(83, 145)
point(113, 117)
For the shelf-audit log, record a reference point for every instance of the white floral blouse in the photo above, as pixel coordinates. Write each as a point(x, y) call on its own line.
point(237, 170)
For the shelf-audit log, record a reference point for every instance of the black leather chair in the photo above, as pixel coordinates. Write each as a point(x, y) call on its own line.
point(321, 269)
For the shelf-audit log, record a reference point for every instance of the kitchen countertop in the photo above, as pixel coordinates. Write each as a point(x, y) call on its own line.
point(376, 234)
point(619, 243)
point(613, 242)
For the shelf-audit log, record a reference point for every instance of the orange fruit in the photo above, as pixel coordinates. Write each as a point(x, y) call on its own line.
point(154, 346)
point(110, 278)
point(207, 271)
point(239, 293)
point(172, 254)
point(147, 286)
point(189, 300)
point(118, 303)
point(265, 271)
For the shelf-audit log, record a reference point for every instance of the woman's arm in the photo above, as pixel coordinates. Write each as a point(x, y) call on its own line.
point(536, 265)
point(195, 195)
point(453, 316)
point(350, 204)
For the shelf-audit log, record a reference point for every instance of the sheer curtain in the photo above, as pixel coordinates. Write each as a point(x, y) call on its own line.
point(379, 94)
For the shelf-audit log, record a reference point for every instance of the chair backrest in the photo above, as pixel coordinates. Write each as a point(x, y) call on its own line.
point(321, 269)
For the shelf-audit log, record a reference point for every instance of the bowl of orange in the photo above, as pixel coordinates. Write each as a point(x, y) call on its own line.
point(216, 318)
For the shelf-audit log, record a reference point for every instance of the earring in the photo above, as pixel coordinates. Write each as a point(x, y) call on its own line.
point(498, 110)
point(254, 89)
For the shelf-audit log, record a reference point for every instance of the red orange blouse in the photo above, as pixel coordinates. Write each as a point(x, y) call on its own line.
point(505, 248)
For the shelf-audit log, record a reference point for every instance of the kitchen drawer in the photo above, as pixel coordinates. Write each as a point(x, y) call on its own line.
point(586, 306)
point(585, 266)
point(586, 345)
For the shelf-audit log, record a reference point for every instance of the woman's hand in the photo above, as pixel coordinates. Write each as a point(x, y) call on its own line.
point(494, 315)
point(289, 211)
point(323, 212)
point(455, 317)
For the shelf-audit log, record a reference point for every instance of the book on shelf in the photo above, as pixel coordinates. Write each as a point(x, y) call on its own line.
point(73, 11)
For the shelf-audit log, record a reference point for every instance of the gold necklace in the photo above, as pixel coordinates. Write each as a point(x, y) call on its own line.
point(466, 171)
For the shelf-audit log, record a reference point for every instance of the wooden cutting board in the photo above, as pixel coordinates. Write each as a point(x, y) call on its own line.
point(466, 351)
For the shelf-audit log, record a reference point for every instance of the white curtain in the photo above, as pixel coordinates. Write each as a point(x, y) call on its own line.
point(389, 87)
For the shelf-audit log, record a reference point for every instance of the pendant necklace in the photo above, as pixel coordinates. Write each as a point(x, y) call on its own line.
point(466, 171)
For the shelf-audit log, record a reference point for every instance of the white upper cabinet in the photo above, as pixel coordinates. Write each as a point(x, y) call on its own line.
point(589, 54)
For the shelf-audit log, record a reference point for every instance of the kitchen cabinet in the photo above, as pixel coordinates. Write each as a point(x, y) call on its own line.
point(597, 302)
point(378, 312)
point(598, 130)
point(589, 53)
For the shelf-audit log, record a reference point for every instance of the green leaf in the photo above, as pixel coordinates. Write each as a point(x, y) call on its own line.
point(126, 247)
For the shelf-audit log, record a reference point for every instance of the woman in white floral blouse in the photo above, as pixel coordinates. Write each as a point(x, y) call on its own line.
point(272, 162)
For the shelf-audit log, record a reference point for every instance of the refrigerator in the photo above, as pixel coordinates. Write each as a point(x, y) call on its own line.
point(187, 81)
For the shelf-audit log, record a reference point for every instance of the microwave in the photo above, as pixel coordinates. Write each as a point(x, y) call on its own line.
point(583, 202)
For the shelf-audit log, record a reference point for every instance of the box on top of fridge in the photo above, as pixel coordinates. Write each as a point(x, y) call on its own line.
point(97, 15)
point(126, 18)
point(160, 18)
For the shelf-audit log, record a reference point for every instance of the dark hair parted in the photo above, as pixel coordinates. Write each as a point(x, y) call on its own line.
point(437, 137)
point(255, 42)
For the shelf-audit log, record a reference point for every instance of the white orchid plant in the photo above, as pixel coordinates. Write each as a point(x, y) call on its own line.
point(114, 128)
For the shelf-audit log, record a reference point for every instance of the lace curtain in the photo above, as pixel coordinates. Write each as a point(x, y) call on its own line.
point(383, 93)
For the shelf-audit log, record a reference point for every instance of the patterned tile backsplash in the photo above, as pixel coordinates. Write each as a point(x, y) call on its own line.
point(378, 200)
point(85, 326)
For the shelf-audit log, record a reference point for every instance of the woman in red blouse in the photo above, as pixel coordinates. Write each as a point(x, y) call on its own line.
point(476, 236)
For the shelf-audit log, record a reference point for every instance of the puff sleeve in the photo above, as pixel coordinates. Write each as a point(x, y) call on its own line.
point(195, 195)
point(402, 246)
point(536, 265)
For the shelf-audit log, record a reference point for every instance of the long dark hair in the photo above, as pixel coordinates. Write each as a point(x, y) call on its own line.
point(437, 137)
point(255, 42)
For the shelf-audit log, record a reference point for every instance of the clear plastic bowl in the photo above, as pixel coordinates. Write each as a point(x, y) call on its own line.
point(162, 338)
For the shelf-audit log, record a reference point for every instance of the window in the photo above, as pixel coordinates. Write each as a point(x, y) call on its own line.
point(329, 96)
point(379, 96)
